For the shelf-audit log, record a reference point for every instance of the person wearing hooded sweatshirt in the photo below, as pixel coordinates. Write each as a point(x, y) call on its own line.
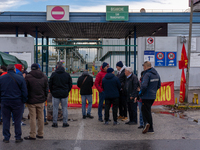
point(18, 69)
point(149, 86)
point(37, 85)
point(122, 98)
point(85, 83)
point(111, 86)
point(60, 85)
point(98, 85)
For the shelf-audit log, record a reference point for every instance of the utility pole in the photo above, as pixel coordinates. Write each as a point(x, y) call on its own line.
point(189, 50)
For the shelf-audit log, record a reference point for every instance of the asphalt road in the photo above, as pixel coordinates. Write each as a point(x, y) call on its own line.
point(171, 133)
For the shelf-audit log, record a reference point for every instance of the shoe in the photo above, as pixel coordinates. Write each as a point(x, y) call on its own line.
point(127, 122)
point(101, 120)
point(18, 140)
point(84, 116)
point(106, 123)
point(89, 116)
point(120, 117)
point(39, 137)
point(109, 120)
point(29, 138)
point(5, 141)
point(125, 118)
point(132, 123)
point(46, 123)
point(116, 123)
point(23, 119)
point(146, 129)
point(55, 125)
point(65, 125)
point(23, 124)
point(151, 131)
point(140, 127)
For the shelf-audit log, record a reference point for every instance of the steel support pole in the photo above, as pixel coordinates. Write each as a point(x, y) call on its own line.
point(126, 55)
point(135, 53)
point(47, 56)
point(129, 52)
point(189, 51)
point(17, 32)
point(25, 34)
point(36, 44)
point(42, 53)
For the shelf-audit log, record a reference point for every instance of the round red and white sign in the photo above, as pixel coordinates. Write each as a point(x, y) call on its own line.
point(171, 56)
point(160, 55)
point(57, 13)
point(150, 40)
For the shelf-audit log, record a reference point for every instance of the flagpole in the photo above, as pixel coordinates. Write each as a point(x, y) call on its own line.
point(189, 50)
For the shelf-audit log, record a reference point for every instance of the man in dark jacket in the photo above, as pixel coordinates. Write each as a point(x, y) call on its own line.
point(122, 98)
point(149, 86)
point(60, 84)
point(111, 86)
point(85, 83)
point(131, 95)
point(13, 95)
point(37, 85)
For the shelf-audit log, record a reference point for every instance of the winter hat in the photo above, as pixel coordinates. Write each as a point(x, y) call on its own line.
point(119, 64)
point(104, 65)
point(34, 66)
point(11, 67)
point(110, 70)
point(18, 66)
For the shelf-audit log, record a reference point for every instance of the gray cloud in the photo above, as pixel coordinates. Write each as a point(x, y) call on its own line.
point(8, 4)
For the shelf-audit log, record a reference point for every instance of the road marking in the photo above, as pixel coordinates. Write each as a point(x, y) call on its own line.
point(79, 137)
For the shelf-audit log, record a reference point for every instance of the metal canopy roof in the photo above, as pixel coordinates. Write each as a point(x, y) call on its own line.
point(91, 25)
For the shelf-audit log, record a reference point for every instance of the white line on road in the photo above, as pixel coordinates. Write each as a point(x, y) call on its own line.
point(79, 137)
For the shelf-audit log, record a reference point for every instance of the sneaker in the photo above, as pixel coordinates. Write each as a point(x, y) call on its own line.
point(89, 116)
point(46, 123)
point(116, 123)
point(106, 123)
point(120, 117)
point(101, 120)
point(55, 125)
point(18, 140)
point(125, 119)
point(39, 137)
point(65, 125)
point(151, 131)
point(84, 116)
point(140, 127)
point(5, 141)
point(29, 138)
point(146, 129)
point(127, 122)
point(23, 124)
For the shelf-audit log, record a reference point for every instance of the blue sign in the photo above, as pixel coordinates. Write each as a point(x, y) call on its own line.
point(160, 59)
point(171, 58)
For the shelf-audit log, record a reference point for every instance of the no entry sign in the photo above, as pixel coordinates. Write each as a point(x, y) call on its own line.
point(150, 40)
point(150, 43)
point(58, 13)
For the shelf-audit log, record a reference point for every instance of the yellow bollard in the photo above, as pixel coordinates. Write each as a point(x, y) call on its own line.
point(176, 100)
point(197, 101)
point(195, 97)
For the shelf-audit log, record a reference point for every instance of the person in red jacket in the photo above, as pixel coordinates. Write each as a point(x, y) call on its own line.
point(98, 84)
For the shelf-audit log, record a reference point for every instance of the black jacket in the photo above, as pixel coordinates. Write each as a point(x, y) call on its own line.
point(37, 85)
point(111, 86)
point(150, 84)
point(9, 89)
point(60, 83)
point(86, 88)
point(122, 79)
point(130, 87)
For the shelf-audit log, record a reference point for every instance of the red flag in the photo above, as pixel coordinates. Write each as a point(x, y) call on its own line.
point(184, 60)
point(182, 87)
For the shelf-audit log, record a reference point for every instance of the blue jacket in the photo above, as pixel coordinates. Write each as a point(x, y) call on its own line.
point(150, 84)
point(9, 90)
point(111, 86)
point(19, 72)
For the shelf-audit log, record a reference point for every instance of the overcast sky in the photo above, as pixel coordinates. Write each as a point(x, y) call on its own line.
point(91, 5)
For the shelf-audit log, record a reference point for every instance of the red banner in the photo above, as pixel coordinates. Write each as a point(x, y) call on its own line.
point(182, 87)
point(165, 96)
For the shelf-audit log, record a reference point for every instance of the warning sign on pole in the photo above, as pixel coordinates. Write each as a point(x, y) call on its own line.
point(58, 13)
point(150, 43)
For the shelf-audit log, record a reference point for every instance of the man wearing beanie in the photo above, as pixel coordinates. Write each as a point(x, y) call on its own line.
point(13, 93)
point(122, 98)
point(37, 85)
point(111, 86)
point(98, 84)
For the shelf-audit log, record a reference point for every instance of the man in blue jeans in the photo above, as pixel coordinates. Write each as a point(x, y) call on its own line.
point(60, 84)
point(85, 83)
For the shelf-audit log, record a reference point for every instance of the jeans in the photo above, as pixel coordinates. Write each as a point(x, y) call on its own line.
point(100, 107)
point(146, 112)
point(140, 109)
point(16, 107)
point(115, 102)
point(89, 98)
point(132, 109)
point(64, 102)
point(45, 120)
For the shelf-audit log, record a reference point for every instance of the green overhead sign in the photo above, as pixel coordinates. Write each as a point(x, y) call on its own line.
point(117, 13)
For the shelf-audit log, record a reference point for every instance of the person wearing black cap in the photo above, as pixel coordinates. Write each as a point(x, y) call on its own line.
point(37, 85)
point(13, 95)
point(111, 86)
point(122, 98)
point(98, 85)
